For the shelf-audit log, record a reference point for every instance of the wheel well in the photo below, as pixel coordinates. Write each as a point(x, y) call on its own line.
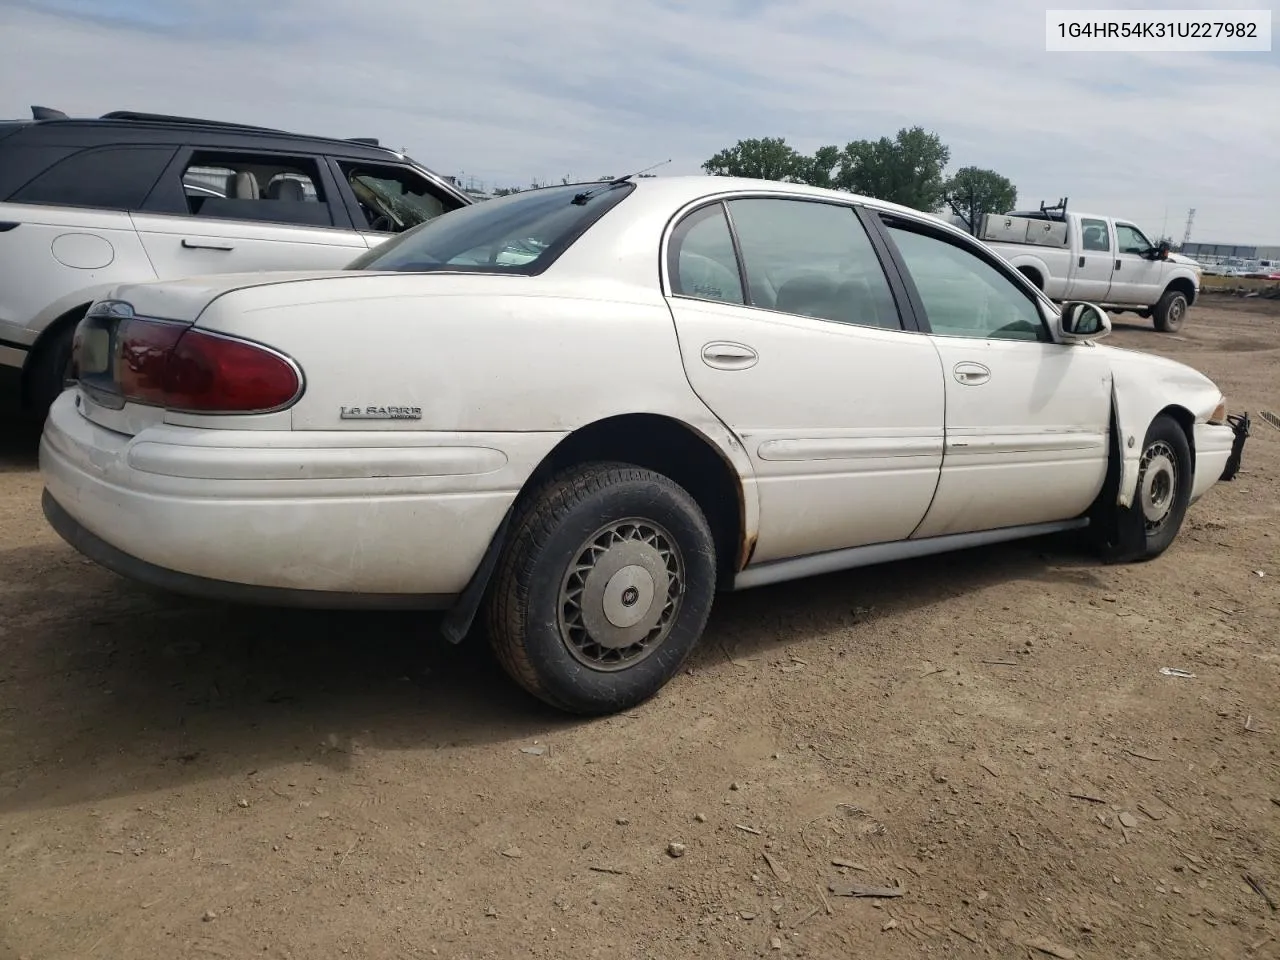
point(676, 451)
point(56, 326)
point(1184, 286)
point(1032, 274)
point(1187, 421)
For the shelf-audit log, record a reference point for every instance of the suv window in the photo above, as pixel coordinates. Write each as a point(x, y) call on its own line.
point(1129, 239)
point(394, 199)
point(700, 258)
point(114, 178)
point(963, 295)
point(814, 259)
point(263, 187)
point(521, 233)
point(1093, 236)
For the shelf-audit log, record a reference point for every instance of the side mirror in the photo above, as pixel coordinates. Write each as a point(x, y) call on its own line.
point(1082, 322)
point(1161, 252)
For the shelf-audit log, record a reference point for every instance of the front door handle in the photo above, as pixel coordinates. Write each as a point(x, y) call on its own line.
point(1082, 261)
point(971, 374)
point(205, 245)
point(724, 355)
point(1117, 264)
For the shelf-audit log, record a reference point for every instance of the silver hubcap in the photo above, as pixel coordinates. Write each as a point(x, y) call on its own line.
point(621, 594)
point(1177, 309)
point(1158, 485)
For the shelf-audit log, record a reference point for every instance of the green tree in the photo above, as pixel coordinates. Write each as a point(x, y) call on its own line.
point(819, 169)
point(974, 192)
point(769, 159)
point(907, 169)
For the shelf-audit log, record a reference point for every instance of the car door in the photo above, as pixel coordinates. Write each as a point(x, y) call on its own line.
point(799, 347)
point(233, 211)
point(1137, 277)
point(1091, 278)
point(1027, 418)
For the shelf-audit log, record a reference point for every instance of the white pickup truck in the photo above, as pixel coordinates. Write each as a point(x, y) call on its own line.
point(1080, 256)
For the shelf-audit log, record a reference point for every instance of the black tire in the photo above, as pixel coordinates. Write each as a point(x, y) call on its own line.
point(1163, 492)
point(49, 372)
point(1171, 311)
point(547, 611)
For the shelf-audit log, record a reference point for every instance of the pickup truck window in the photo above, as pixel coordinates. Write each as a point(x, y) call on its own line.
point(963, 295)
point(1130, 239)
point(1093, 235)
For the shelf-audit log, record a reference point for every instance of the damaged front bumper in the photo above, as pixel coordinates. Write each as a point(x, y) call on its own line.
point(1240, 425)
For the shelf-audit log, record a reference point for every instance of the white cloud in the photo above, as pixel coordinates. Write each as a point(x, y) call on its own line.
point(505, 91)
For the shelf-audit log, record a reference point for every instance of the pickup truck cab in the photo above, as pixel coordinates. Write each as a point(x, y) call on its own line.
point(1082, 256)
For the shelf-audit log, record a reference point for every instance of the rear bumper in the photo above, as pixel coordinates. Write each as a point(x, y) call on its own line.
point(319, 519)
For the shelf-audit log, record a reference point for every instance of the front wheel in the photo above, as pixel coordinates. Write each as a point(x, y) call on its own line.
point(1171, 311)
point(603, 589)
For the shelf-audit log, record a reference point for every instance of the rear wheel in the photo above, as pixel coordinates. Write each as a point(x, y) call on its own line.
point(603, 588)
point(50, 370)
point(1171, 311)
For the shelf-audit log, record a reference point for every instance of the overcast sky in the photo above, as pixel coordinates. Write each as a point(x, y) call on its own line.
point(506, 91)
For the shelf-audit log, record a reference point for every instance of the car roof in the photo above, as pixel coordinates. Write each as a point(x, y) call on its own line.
point(124, 126)
point(679, 190)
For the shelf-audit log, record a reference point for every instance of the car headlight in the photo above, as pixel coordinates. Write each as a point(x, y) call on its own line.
point(1219, 415)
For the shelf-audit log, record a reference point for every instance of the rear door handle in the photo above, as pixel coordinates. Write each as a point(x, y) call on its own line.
point(205, 245)
point(971, 374)
point(724, 355)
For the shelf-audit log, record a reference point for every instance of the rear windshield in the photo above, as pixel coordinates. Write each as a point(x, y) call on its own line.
point(521, 233)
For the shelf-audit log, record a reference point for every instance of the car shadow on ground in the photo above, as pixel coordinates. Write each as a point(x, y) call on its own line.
point(108, 688)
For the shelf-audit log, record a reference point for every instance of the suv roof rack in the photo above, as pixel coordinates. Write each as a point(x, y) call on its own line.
point(167, 118)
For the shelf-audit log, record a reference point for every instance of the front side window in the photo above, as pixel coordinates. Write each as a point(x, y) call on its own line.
point(261, 187)
point(702, 262)
point(522, 233)
point(1129, 239)
point(963, 295)
point(393, 199)
point(814, 259)
point(1093, 236)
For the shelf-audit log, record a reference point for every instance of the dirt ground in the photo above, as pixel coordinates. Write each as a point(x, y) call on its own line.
point(990, 731)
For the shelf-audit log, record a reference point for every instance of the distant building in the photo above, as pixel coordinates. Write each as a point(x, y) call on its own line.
point(1223, 251)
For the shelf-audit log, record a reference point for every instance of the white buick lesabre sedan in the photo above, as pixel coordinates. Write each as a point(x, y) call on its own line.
point(584, 409)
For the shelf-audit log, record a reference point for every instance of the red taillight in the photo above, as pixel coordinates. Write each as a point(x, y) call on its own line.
point(208, 373)
point(173, 365)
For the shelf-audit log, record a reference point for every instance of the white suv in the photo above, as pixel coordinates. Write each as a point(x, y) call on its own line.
point(88, 203)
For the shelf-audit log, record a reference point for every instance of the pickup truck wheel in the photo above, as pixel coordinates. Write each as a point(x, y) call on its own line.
point(1171, 311)
point(603, 589)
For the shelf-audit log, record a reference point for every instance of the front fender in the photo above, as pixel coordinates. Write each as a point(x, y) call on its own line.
point(1142, 387)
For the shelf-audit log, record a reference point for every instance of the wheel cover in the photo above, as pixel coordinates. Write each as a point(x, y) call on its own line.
point(621, 594)
point(1177, 307)
point(1157, 485)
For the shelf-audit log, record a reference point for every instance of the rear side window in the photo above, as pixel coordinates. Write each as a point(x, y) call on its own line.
point(522, 233)
point(812, 259)
point(114, 178)
point(1094, 236)
point(701, 259)
point(261, 187)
